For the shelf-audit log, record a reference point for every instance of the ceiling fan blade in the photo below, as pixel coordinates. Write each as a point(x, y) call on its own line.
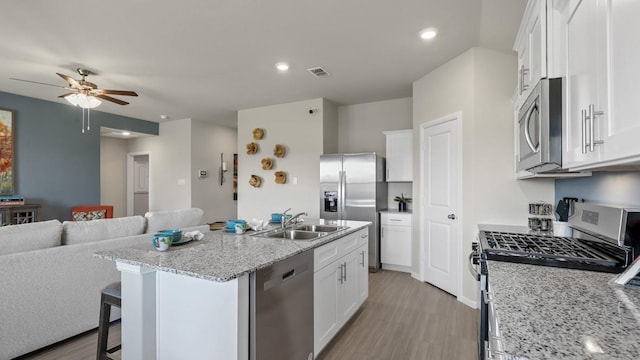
point(67, 94)
point(72, 82)
point(118, 92)
point(112, 99)
point(37, 82)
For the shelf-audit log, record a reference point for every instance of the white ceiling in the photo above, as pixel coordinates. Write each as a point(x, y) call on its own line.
point(206, 59)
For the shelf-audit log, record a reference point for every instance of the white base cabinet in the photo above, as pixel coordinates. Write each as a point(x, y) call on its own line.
point(395, 241)
point(340, 285)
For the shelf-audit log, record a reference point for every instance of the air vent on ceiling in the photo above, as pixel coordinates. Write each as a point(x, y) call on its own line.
point(318, 71)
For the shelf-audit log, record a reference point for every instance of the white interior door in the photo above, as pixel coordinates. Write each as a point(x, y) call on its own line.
point(440, 167)
point(138, 194)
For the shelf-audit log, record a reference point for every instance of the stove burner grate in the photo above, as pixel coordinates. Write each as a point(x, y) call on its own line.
point(543, 249)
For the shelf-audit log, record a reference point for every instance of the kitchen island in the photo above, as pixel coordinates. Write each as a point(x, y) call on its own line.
point(555, 313)
point(193, 300)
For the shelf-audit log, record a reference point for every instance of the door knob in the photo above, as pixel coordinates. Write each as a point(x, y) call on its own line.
point(452, 216)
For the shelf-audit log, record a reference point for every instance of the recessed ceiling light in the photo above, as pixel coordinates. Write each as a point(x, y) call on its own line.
point(164, 117)
point(282, 66)
point(428, 34)
point(126, 133)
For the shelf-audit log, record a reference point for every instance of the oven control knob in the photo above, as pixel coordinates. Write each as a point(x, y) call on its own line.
point(452, 216)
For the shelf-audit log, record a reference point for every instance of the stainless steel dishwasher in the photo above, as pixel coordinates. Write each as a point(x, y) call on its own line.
point(281, 314)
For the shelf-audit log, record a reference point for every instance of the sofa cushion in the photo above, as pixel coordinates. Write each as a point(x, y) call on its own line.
point(32, 236)
point(174, 219)
point(77, 232)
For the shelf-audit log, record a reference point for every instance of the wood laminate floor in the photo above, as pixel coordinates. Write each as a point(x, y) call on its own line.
point(402, 319)
point(407, 319)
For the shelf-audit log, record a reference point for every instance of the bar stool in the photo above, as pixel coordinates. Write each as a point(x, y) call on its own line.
point(111, 296)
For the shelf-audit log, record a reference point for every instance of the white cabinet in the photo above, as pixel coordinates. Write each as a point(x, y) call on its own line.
point(623, 129)
point(586, 84)
point(348, 291)
point(395, 241)
point(363, 272)
point(600, 126)
point(326, 316)
point(399, 155)
point(531, 46)
point(340, 286)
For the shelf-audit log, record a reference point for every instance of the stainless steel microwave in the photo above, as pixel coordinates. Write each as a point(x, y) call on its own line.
point(540, 128)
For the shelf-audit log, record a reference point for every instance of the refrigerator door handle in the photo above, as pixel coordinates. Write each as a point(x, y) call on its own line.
point(343, 185)
point(340, 196)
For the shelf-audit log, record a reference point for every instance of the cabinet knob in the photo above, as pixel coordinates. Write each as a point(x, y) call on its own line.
point(451, 216)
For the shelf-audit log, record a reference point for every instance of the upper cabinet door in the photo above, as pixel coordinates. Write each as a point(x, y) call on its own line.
point(531, 46)
point(399, 155)
point(586, 108)
point(623, 131)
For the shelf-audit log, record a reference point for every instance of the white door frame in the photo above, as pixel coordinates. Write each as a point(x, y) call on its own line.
point(457, 116)
point(130, 170)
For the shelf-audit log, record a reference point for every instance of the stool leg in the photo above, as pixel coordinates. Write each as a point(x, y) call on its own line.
point(103, 328)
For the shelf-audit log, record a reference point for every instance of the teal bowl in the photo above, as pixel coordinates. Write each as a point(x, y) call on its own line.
point(176, 233)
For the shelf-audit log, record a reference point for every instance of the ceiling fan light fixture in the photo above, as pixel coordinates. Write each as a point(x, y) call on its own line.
point(83, 101)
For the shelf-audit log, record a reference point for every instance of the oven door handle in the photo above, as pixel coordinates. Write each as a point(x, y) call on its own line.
point(472, 269)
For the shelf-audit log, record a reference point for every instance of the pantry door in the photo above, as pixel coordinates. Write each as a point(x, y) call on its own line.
point(440, 229)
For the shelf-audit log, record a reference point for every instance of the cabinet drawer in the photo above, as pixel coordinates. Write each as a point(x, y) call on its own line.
point(363, 236)
point(326, 254)
point(395, 219)
point(349, 243)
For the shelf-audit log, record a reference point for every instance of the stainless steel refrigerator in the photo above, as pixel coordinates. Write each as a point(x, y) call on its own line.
point(353, 187)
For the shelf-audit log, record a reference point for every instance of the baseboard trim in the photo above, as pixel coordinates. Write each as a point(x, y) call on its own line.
point(470, 303)
point(405, 269)
point(417, 276)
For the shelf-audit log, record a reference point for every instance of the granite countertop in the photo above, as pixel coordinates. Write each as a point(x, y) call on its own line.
point(223, 256)
point(554, 313)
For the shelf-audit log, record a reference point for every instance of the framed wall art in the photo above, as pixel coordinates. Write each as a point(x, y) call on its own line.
point(6, 152)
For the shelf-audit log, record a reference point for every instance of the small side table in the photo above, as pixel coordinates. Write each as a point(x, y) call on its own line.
point(19, 214)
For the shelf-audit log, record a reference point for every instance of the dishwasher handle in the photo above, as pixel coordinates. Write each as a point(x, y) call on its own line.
point(281, 277)
point(289, 274)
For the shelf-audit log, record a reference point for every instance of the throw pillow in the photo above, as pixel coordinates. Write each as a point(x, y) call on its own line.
point(88, 215)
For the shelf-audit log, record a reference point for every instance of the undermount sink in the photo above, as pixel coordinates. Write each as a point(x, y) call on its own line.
point(301, 232)
point(320, 228)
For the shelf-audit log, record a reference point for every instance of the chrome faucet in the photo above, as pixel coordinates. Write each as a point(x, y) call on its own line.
point(284, 217)
point(293, 220)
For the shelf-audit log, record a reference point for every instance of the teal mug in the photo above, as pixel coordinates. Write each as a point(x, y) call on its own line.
point(162, 241)
point(240, 228)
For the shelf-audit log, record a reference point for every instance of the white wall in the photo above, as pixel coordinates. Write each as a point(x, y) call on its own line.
point(207, 142)
point(361, 127)
point(113, 174)
point(331, 127)
point(478, 83)
point(303, 134)
point(169, 165)
point(181, 149)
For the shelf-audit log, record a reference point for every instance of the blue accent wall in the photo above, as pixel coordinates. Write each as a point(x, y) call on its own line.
point(619, 188)
point(56, 165)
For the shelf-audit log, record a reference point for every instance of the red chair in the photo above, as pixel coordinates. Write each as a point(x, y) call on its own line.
point(83, 213)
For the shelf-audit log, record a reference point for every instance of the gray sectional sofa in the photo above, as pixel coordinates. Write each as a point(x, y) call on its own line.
point(50, 282)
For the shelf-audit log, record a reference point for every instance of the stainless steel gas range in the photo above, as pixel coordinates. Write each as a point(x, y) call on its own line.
point(606, 239)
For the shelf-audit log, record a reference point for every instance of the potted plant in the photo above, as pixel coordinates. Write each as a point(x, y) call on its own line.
point(402, 202)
